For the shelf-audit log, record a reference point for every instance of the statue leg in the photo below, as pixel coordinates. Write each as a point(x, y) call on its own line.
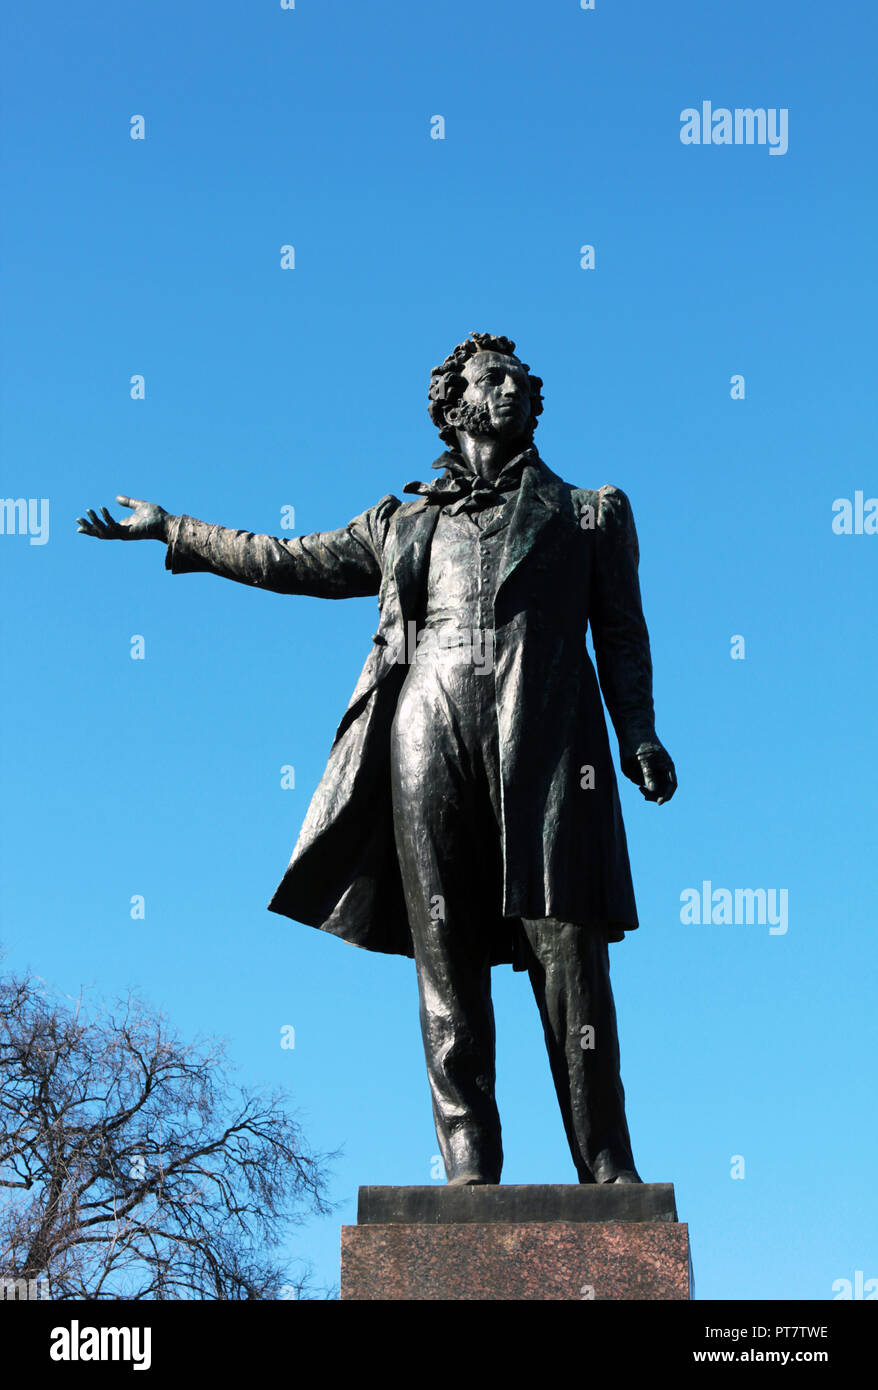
point(457, 1026)
point(569, 971)
point(446, 840)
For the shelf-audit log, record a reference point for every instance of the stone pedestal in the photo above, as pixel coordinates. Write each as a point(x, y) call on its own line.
point(517, 1242)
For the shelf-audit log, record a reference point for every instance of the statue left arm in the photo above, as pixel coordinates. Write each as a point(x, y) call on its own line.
point(621, 643)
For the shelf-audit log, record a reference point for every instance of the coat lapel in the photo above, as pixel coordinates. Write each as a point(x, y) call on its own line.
point(540, 501)
point(414, 532)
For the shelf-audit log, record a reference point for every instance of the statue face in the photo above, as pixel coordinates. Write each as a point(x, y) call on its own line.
point(497, 397)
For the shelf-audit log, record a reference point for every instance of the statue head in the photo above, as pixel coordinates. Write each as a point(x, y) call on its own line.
point(483, 389)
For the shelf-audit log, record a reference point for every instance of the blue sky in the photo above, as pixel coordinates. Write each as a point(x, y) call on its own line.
point(307, 388)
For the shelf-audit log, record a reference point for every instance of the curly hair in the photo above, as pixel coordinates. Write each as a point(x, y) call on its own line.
point(447, 384)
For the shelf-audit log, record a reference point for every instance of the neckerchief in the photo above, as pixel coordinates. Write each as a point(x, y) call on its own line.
point(461, 489)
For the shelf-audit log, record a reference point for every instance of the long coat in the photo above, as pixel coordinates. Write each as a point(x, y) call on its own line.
point(569, 561)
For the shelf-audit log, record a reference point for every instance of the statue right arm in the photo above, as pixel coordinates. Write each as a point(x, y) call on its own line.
point(326, 564)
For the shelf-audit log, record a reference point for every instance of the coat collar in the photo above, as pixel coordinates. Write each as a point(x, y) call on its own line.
point(460, 481)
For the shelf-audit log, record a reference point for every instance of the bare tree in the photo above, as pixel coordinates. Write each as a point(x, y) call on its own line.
point(131, 1168)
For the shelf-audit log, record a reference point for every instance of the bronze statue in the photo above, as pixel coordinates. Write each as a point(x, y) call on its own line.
point(469, 813)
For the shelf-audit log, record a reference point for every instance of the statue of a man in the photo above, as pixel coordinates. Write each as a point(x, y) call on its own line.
point(469, 813)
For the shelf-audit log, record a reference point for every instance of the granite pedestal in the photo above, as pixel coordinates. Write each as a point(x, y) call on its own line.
point(517, 1242)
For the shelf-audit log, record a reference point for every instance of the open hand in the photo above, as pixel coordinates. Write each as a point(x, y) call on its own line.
point(148, 522)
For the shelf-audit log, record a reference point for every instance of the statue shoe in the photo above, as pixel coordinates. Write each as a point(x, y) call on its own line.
point(606, 1169)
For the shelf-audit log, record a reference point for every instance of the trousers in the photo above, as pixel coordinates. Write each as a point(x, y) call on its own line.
point(447, 811)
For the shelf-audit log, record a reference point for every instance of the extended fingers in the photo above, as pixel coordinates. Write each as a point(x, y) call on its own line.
point(93, 525)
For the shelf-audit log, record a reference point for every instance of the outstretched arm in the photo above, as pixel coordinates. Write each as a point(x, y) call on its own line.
point(327, 564)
